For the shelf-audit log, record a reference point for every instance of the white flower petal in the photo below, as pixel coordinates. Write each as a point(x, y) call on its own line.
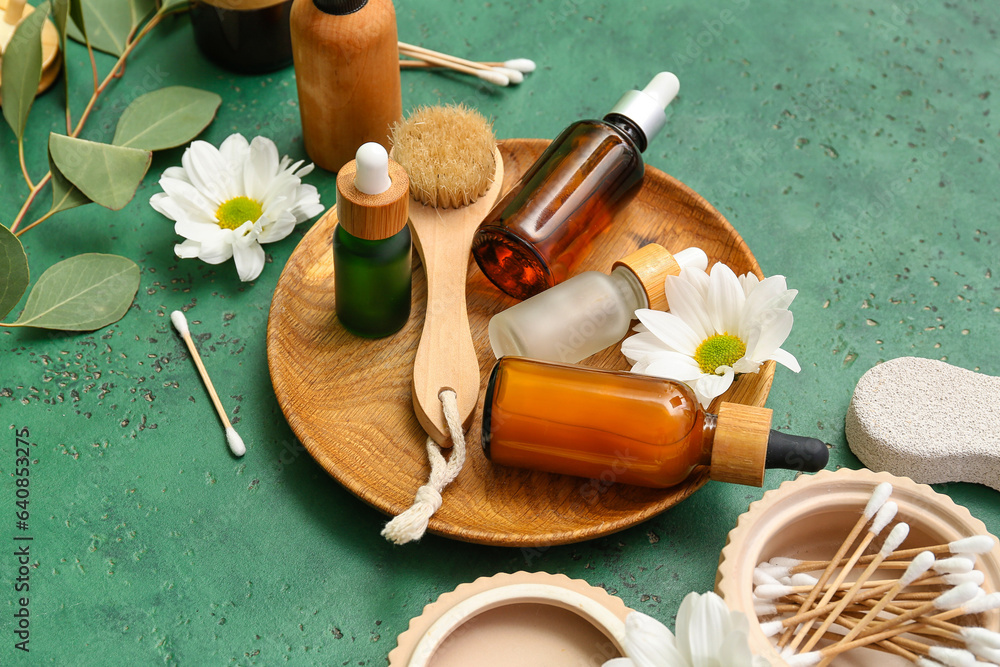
point(786, 359)
point(216, 251)
point(619, 662)
point(187, 197)
point(707, 387)
point(725, 299)
point(208, 172)
point(702, 622)
point(201, 232)
point(307, 203)
point(698, 278)
point(235, 149)
point(673, 331)
point(261, 168)
point(744, 365)
point(642, 345)
point(187, 249)
point(249, 260)
point(748, 281)
point(688, 304)
point(774, 329)
point(649, 643)
point(277, 230)
point(673, 366)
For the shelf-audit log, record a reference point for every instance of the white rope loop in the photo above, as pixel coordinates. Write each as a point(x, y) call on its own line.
point(412, 523)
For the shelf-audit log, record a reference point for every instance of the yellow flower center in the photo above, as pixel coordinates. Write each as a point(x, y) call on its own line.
point(719, 350)
point(236, 211)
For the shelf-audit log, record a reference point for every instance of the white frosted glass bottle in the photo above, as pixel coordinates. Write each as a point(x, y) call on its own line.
point(590, 311)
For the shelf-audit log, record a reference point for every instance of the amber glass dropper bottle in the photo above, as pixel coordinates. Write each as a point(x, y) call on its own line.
point(544, 225)
point(643, 430)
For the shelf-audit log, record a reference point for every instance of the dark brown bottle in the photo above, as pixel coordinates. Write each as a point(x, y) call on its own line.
point(545, 224)
point(250, 37)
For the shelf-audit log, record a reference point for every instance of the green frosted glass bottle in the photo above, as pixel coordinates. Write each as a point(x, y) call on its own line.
point(372, 245)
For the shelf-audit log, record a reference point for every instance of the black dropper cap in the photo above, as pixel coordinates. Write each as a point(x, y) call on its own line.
point(796, 452)
point(339, 7)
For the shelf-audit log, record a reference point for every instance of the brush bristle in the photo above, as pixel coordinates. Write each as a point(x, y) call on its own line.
point(447, 152)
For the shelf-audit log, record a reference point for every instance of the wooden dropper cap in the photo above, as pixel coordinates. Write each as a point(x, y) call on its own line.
point(373, 217)
point(651, 264)
point(739, 452)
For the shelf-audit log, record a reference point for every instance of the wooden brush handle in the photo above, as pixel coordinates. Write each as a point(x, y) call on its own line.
point(446, 356)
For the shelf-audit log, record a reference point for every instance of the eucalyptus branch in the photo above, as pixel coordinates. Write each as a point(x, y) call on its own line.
point(27, 202)
point(37, 222)
point(24, 167)
point(98, 89)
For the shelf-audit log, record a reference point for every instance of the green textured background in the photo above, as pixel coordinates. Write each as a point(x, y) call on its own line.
point(851, 144)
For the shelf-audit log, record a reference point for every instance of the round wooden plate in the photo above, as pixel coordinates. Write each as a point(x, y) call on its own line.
point(348, 399)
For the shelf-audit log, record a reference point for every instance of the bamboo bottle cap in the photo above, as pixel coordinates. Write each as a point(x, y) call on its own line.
point(739, 452)
point(651, 264)
point(373, 217)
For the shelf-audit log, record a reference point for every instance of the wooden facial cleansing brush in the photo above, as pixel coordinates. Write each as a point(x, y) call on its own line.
point(455, 173)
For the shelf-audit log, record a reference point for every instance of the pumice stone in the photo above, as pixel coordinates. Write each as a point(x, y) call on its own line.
point(927, 420)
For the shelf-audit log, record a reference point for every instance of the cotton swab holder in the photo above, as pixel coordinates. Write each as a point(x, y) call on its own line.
point(927, 420)
point(806, 520)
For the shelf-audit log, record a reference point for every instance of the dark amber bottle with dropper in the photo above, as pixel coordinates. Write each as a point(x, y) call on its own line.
point(543, 226)
point(645, 430)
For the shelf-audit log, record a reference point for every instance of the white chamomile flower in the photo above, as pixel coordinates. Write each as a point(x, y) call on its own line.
point(227, 201)
point(718, 325)
point(708, 635)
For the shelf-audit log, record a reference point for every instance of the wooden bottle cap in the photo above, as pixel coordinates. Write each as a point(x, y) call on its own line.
point(651, 264)
point(373, 217)
point(740, 448)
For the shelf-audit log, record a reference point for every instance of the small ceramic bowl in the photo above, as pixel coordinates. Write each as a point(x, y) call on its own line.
point(525, 619)
point(809, 517)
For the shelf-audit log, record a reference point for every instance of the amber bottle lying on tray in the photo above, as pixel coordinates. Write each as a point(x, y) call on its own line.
point(635, 428)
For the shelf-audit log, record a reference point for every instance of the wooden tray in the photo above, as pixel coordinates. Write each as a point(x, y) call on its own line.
point(348, 398)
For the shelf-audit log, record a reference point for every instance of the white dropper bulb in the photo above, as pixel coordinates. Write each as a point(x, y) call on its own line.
point(646, 107)
point(372, 176)
point(663, 88)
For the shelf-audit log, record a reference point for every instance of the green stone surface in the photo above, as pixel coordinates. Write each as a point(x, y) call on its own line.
point(851, 144)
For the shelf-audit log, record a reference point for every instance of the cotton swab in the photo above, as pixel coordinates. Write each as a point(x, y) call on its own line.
point(956, 602)
point(967, 546)
point(920, 564)
point(485, 73)
point(896, 537)
point(521, 65)
point(232, 437)
point(885, 514)
point(878, 498)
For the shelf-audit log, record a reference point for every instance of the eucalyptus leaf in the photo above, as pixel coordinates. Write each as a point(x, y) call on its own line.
point(64, 11)
point(13, 271)
point(21, 69)
point(81, 293)
point(109, 23)
point(166, 118)
point(140, 9)
point(167, 6)
point(65, 195)
point(107, 174)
